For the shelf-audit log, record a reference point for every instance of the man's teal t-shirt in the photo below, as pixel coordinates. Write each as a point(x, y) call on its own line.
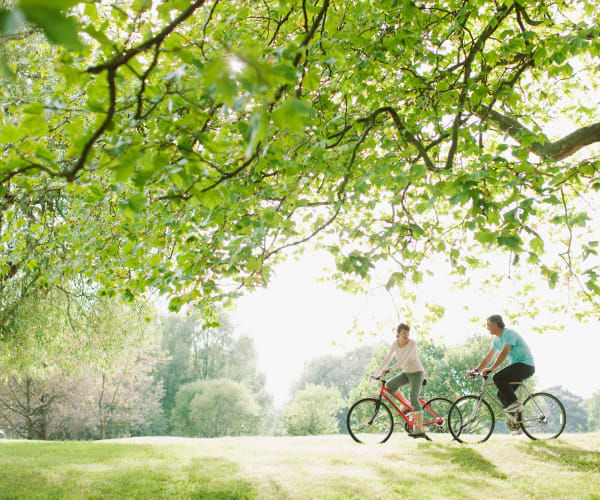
point(519, 352)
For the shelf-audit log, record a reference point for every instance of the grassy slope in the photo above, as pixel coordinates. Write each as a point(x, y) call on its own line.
point(320, 467)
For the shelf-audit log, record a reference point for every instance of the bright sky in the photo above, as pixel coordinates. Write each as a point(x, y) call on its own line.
point(298, 318)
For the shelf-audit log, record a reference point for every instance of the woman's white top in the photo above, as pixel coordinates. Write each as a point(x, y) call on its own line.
point(406, 357)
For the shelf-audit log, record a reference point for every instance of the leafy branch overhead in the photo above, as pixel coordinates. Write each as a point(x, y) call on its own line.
point(185, 146)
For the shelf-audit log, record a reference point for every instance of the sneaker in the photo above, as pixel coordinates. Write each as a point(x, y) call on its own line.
point(419, 435)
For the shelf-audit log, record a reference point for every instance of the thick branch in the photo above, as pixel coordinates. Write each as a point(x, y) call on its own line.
point(124, 57)
point(546, 150)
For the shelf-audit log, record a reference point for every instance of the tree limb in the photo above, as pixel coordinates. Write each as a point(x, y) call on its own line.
point(546, 149)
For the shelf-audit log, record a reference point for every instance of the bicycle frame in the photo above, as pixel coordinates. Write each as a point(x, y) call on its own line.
point(493, 399)
point(385, 394)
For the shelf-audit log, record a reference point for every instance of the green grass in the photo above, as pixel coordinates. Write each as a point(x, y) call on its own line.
point(320, 467)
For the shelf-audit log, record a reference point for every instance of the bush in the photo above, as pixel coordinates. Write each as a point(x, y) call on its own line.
point(313, 411)
point(213, 408)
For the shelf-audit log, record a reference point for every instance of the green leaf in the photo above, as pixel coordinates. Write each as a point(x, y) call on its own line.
point(293, 114)
point(11, 21)
point(58, 28)
point(10, 134)
point(34, 126)
point(512, 242)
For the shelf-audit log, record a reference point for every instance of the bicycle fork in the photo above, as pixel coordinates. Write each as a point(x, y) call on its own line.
point(377, 406)
point(473, 414)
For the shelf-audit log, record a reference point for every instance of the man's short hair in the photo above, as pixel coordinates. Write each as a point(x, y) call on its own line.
point(403, 326)
point(497, 320)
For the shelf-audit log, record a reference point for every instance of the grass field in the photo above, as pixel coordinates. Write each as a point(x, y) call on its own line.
point(319, 467)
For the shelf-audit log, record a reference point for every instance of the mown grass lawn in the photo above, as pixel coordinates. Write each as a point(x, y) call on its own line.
point(320, 467)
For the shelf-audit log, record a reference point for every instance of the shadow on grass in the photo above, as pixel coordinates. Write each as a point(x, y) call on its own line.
point(467, 459)
point(449, 472)
point(120, 471)
point(563, 454)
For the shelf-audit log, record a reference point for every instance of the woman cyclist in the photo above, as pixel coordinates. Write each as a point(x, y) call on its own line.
point(413, 373)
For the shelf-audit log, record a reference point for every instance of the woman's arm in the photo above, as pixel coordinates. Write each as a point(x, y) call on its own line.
point(385, 362)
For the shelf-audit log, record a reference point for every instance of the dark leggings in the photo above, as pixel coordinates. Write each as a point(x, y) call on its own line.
point(516, 372)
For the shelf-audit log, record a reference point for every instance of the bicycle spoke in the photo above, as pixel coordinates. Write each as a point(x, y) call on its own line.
point(370, 421)
point(471, 420)
point(543, 416)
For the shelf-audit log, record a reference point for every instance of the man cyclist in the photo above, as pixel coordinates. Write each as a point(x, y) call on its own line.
point(506, 343)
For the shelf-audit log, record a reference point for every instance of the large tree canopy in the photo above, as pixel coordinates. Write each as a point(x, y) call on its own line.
point(185, 145)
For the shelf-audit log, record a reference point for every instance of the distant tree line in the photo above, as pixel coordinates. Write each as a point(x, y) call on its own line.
point(85, 366)
point(103, 369)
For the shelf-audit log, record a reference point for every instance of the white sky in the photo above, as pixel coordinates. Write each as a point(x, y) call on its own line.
point(297, 318)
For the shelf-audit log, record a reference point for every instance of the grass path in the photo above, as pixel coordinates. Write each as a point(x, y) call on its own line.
point(320, 467)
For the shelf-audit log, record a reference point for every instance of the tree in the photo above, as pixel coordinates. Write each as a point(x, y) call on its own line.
point(342, 372)
point(196, 350)
point(78, 366)
point(211, 408)
point(124, 397)
point(224, 408)
point(593, 410)
point(313, 411)
point(189, 145)
point(27, 403)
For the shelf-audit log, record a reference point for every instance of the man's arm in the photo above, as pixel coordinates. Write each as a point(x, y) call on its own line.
point(501, 357)
point(484, 362)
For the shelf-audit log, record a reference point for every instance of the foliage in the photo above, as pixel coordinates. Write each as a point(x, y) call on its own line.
point(224, 408)
point(211, 408)
point(343, 372)
point(186, 146)
point(593, 409)
point(196, 350)
point(313, 411)
point(79, 367)
point(86, 404)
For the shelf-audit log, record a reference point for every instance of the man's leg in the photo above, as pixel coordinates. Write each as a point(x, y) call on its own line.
point(503, 379)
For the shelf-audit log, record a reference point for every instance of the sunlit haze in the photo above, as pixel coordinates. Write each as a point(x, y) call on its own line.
point(298, 318)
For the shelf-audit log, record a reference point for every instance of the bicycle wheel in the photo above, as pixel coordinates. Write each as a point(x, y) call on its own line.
point(370, 421)
point(441, 406)
point(543, 417)
point(471, 420)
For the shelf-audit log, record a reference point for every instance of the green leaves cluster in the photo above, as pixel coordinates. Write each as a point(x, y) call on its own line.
point(186, 146)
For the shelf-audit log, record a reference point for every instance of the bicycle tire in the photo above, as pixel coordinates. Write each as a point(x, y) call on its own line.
point(543, 417)
point(370, 421)
point(442, 407)
point(471, 419)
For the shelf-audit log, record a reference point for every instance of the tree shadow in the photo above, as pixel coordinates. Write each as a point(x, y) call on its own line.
point(467, 459)
point(563, 454)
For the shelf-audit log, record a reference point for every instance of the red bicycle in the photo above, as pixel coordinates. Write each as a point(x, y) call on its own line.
point(370, 420)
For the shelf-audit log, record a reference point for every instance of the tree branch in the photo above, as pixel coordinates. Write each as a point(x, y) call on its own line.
point(546, 150)
point(402, 129)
